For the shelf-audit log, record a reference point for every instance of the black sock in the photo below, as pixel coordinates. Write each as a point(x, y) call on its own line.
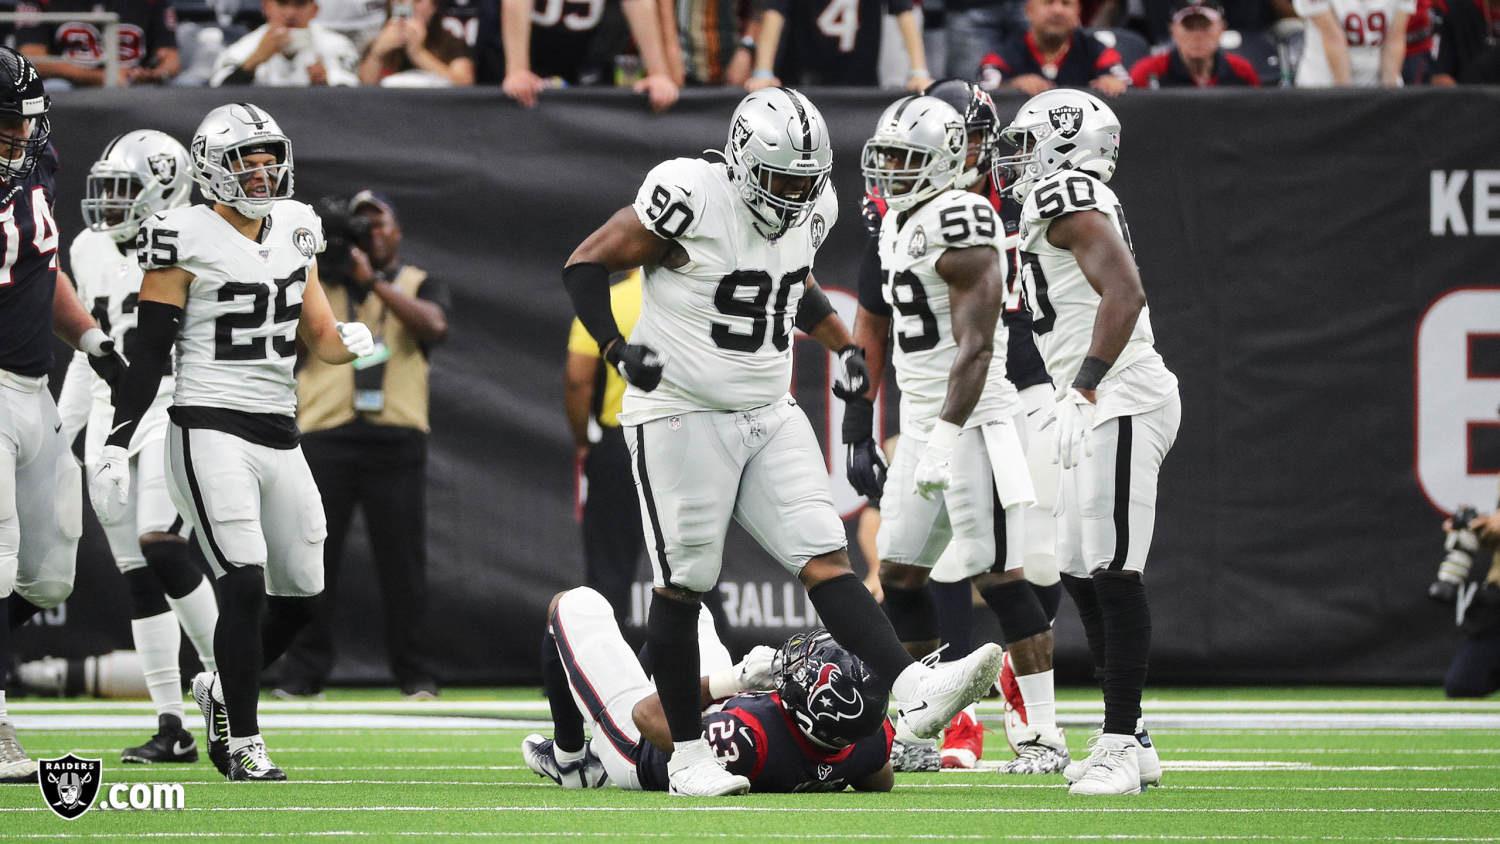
point(672, 633)
point(912, 613)
point(1081, 590)
point(1127, 631)
point(567, 721)
point(176, 571)
point(21, 610)
point(954, 603)
point(1050, 598)
point(146, 596)
point(237, 646)
point(856, 622)
point(1016, 606)
point(285, 617)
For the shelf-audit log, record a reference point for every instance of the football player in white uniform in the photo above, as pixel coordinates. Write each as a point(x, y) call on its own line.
point(234, 286)
point(1353, 42)
point(944, 253)
point(140, 174)
point(728, 251)
point(1117, 418)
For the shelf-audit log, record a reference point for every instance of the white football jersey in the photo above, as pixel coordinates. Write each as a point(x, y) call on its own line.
point(1364, 23)
point(108, 279)
point(921, 311)
point(238, 341)
point(1063, 303)
point(724, 319)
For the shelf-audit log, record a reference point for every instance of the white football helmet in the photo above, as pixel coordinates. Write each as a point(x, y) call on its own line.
point(779, 156)
point(1060, 129)
point(228, 134)
point(917, 152)
point(139, 174)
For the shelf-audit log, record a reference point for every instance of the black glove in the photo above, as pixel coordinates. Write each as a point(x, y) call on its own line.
point(853, 377)
point(865, 464)
point(638, 363)
point(109, 366)
point(871, 210)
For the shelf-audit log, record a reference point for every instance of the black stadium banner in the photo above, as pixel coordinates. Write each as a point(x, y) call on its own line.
point(1324, 277)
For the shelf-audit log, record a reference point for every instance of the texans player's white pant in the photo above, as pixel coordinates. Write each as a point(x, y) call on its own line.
point(763, 467)
point(150, 509)
point(252, 505)
point(1106, 511)
point(1041, 448)
point(606, 679)
point(41, 495)
point(989, 461)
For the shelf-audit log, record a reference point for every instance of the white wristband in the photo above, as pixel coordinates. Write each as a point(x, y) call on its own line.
point(92, 342)
point(944, 435)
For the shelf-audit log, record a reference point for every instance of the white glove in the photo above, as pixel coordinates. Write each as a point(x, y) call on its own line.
point(109, 484)
point(935, 468)
point(357, 338)
point(1074, 417)
point(757, 671)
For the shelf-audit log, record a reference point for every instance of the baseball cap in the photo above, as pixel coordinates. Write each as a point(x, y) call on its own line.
point(1211, 9)
point(371, 199)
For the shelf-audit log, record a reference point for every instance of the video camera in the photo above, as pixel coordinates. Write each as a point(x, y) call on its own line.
point(342, 229)
point(1460, 545)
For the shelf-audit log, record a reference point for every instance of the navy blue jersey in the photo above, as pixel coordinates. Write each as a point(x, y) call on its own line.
point(1023, 362)
point(29, 276)
point(1082, 61)
point(752, 735)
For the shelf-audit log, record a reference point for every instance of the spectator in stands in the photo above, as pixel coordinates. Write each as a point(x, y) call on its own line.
point(973, 27)
point(833, 43)
point(1421, 44)
point(289, 50)
point(414, 50)
point(1195, 58)
point(718, 41)
point(1055, 53)
point(357, 20)
point(1469, 43)
point(74, 50)
point(546, 43)
point(1365, 48)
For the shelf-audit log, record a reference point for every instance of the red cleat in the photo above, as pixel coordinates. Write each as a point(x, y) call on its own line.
point(1016, 729)
point(963, 741)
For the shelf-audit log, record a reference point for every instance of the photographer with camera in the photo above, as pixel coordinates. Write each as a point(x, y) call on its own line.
point(364, 431)
point(1469, 578)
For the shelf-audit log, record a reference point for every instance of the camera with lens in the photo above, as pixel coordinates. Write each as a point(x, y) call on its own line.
point(342, 229)
point(1459, 546)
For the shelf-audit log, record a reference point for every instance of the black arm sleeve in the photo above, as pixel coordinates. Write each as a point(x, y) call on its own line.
point(239, 76)
point(157, 324)
point(812, 309)
point(870, 278)
point(587, 284)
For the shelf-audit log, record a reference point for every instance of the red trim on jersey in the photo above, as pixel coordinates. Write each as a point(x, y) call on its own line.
point(810, 750)
point(1241, 67)
point(890, 736)
point(1036, 50)
point(1108, 59)
point(761, 747)
point(993, 60)
point(1140, 75)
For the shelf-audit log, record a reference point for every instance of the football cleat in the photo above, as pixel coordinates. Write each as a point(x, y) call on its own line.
point(170, 744)
point(15, 766)
point(915, 756)
point(540, 756)
point(694, 771)
point(1112, 767)
point(1145, 754)
point(1016, 729)
point(963, 741)
point(949, 688)
point(251, 764)
point(1043, 752)
point(210, 697)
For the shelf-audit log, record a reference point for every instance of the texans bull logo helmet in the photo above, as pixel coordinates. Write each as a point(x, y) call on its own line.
point(828, 692)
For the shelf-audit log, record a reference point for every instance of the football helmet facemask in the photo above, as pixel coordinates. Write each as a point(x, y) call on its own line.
point(1061, 129)
point(140, 173)
point(224, 139)
point(779, 157)
point(23, 104)
point(917, 152)
point(980, 119)
point(828, 691)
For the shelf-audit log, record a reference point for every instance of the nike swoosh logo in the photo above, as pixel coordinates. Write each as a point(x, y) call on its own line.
point(914, 709)
point(58, 428)
point(178, 748)
point(115, 429)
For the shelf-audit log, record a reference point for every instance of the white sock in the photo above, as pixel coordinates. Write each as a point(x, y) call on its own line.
point(158, 642)
point(566, 757)
point(238, 744)
point(198, 614)
point(4, 713)
point(685, 753)
point(1041, 705)
point(904, 690)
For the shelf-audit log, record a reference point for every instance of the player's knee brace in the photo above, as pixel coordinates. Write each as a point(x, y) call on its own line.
point(147, 599)
point(175, 571)
point(1015, 604)
point(912, 612)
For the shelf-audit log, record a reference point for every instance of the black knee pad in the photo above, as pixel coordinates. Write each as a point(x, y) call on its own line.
point(174, 569)
point(912, 612)
point(146, 596)
point(1020, 613)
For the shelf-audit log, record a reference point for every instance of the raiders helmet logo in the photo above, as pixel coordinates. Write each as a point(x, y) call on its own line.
point(739, 134)
point(819, 230)
point(1066, 120)
point(957, 138)
point(69, 784)
point(918, 246)
point(303, 239)
point(164, 166)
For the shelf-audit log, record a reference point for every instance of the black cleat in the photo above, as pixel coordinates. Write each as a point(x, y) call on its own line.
point(251, 764)
point(170, 744)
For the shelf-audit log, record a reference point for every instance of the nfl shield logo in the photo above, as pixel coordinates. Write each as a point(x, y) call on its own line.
point(1066, 120)
point(164, 166)
point(70, 784)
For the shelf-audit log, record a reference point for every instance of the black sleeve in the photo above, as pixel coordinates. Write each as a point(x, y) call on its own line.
point(587, 284)
point(870, 279)
point(239, 76)
point(157, 324)
point(436, 291)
